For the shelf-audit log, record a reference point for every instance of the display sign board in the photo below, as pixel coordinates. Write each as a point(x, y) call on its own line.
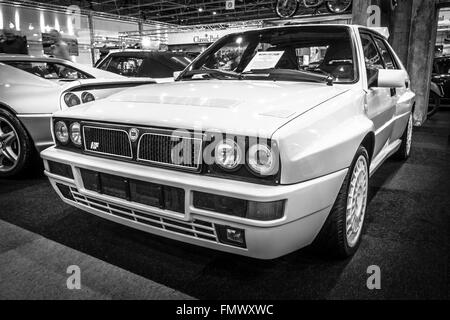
point(48, 42)
point(229, 5)
point(208, 36)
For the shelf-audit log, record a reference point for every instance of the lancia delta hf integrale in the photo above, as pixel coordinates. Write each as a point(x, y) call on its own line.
point(263, 145)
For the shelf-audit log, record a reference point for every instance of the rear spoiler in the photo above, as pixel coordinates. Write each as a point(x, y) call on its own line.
point(98, 84)
point(384, 31)
point(88, 90)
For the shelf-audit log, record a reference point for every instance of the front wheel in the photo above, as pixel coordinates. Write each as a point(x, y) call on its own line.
point(16, 148)
point(341, 234)
point(286, 8)
point(338, 6)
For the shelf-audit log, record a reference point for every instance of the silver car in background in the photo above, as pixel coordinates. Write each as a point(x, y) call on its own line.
point(30, 91)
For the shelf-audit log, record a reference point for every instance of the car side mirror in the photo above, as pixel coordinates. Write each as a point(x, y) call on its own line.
point(385, 78)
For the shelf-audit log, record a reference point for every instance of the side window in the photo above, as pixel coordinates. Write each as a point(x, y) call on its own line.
point(126, 66)
point(104, 64)
point(386, 54)
point(371, 55)
point(66, 72)
point(49, 70)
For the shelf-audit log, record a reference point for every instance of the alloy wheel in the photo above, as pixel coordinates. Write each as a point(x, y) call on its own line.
point(9, 146)
point(357, 201)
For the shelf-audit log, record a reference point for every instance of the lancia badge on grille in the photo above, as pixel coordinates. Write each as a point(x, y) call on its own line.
point(95, 145)
point(133, 134)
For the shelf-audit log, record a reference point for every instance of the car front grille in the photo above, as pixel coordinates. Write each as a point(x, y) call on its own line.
point(170, 150)
point(152, 146)
point(107, 141)
point(196, 229)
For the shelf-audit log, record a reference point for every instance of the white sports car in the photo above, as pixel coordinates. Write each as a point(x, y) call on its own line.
point(264, 144)
point(30, 91)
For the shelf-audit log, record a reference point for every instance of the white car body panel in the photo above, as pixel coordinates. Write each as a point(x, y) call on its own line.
point(244, 107)
point(317, 129)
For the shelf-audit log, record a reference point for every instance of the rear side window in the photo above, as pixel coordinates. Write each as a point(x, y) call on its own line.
point(49, 70)
point(371, 55)
point(386, 54)
point(125, 66)
point(153, 66)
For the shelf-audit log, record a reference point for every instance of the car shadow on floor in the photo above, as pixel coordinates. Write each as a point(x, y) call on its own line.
point(198, 272)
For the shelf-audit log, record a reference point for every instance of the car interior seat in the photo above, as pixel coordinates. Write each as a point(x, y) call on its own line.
point(338, 61)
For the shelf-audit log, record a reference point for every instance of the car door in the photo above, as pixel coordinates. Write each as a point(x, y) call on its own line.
point(380, 102)
point(403, 95)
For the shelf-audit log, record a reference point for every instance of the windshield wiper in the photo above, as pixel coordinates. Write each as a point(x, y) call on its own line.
point(289, 75)
point(212, 73)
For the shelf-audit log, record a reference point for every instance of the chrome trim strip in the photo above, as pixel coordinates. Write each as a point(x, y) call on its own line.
point(34, 115)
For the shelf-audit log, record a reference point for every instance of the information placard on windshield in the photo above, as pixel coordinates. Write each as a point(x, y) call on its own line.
point(264, 60)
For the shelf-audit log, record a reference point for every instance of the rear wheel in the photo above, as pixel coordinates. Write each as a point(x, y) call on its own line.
point(341, 234)
point(16, 148)
point(405, 148)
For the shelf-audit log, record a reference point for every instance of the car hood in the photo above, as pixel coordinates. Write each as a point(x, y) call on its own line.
point(238, 107)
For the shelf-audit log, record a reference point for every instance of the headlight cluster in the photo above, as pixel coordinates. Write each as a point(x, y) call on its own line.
point(71, 99)
point(66, 132)
point(260, 158)
point(229, 154)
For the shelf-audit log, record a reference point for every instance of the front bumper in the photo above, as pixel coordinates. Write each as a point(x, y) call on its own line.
point(306, 208)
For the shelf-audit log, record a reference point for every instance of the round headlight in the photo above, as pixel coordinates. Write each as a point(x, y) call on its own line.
point(228, 154)
point(61, 132)
point(262, 160)
point(71, 99)
point(87, 97)
point(75, 134)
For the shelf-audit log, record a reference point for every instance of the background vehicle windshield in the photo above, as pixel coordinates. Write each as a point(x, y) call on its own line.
point(145, 65)
point(322, 50)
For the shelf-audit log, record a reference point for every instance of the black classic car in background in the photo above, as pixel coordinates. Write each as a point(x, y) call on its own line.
point(141, 63)
point(440, 84)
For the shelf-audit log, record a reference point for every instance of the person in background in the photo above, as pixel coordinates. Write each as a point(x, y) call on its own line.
point(10, 43)
point(59, 48)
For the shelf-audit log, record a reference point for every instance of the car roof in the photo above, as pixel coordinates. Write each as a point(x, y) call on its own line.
point(128, 52)
point(297, 25)
point(25, 57)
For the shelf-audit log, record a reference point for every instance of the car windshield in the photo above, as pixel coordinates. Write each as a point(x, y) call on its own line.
point(143, 65)
point(289, 53)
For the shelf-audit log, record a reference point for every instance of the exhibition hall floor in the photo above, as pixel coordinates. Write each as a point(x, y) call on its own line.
point(407, 234)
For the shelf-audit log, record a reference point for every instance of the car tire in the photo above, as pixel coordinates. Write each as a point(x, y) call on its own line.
point(16, 146)
point(334, 239)
point(404, 151)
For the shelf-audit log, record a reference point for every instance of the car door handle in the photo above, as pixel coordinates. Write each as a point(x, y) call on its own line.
point(393, 92)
